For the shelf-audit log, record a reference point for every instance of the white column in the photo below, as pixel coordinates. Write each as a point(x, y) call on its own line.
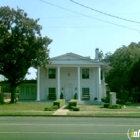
point(58, 82)
point(38, 84)
point(103, 75)
point(103, 85)
point(78, 71)
point(99, 83)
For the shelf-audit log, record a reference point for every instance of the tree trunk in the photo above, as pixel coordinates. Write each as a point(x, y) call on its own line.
point(13, 95)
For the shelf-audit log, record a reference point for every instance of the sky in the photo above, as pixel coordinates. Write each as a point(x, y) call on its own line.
point(75, 28)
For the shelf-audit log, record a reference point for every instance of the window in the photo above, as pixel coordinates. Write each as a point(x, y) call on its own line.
point(52, 73)
point(85, 90)
point(85, 73)
point(51, 90)
point(85, 94)
point(101, 75)
point(52, 94)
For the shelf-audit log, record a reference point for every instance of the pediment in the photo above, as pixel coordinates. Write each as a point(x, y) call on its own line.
point(71, 58)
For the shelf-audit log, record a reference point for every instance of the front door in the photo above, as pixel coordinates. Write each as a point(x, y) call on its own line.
point(68, 93)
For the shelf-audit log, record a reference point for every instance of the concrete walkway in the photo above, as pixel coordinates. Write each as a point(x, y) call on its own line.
point(61, 111)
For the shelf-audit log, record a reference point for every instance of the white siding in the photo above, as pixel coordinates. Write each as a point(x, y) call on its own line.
point(68, 80)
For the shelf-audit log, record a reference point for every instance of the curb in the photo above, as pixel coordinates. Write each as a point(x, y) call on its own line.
point(74, 116)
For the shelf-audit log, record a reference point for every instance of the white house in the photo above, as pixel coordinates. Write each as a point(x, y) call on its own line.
point(72, 75)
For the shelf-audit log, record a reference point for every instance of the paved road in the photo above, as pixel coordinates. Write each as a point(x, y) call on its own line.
point(66, 128)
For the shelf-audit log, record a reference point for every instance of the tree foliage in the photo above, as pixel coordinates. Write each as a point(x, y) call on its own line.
point(134, 80)
point(21, 45)
point(134, 76)
point(122, 61)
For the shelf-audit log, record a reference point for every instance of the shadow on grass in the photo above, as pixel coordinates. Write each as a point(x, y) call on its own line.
point(101, 107)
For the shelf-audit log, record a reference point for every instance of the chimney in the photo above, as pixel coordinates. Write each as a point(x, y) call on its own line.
point(97, 54)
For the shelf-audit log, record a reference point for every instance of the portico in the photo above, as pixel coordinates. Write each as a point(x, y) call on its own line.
point(71, 74)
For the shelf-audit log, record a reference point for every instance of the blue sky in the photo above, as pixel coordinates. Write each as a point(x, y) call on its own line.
point(82, 33)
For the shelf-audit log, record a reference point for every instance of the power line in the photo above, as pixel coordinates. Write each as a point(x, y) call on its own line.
point(104, 13)
point(90, 16)
point(96, 26)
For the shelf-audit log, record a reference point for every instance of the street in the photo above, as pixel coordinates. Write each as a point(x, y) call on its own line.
point(66, 128)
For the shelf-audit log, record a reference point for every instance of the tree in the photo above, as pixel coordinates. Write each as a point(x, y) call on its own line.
point(134, 75)
point(104, 58)
point(121, 62)
point(100, 55)
point(21, 46)
point(134, 80)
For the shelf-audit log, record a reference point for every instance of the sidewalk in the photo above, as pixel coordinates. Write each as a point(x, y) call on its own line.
point(61, 111)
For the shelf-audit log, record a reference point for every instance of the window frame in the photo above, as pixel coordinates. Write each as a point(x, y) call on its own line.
point(85, 73)
point(86, 88)
point(52, 88)
point(53, 74)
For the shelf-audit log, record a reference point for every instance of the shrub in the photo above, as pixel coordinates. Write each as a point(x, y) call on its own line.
point(55, 107)
point(75, 96)
point(107, 98)
point(61, 96)
point(59, 103)
point(103, 100)
point(95, 99)
point(117, 106)
point(51, 108)
point(72, 103)
point(122, 102)
point(1, 98)
point(106, 105)
point(74, 108)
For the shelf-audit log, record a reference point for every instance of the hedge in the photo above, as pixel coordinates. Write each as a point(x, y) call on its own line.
point(106, 105)
point(1, 98)
point(51, 108)
point(117, 106)
point(74, 108)
point(59, 102)
point(72, 103)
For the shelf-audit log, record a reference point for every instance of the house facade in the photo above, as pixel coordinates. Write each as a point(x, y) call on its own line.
point(72, 76)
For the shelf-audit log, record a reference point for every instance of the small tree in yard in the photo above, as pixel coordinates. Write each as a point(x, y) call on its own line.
point(21, 46)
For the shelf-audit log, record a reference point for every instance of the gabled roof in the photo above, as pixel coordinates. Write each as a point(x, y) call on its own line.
point(69, 54)
point(72, 59)
point(72, 56)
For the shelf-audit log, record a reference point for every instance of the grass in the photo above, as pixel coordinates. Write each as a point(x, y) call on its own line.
point(25, 109)
point(37, 109)
point(131, 110)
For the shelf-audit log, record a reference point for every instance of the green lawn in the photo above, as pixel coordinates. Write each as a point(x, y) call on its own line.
point(37, 108)
point(131, 110)
point(25, 109)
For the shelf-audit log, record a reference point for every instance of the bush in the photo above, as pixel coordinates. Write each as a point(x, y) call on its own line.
point(117, 106)
point(55, 107)
point(61, 96)
point(103, 100)
point(95, 99)
point(106, 105)
point(74, 108)
point(75, 96)
point(1, 98)
point(107, 98)
point(72, 103)
point(122, 102)
point(51, 108)
point(59, 103)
